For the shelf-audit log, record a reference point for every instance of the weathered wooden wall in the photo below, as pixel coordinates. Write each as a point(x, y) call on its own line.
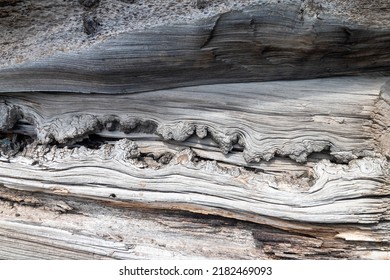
point(255, 132)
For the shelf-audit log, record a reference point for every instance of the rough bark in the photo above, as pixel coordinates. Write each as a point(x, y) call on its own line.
point(174, 140)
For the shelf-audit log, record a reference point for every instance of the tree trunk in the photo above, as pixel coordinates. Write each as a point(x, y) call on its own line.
point(233, 130)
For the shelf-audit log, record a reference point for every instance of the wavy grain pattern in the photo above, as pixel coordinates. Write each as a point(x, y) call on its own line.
point(256, 132)
point(259, 43)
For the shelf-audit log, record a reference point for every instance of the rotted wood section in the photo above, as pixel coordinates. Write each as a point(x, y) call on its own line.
point(224, 150)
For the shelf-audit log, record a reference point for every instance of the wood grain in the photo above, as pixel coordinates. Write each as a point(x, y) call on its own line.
point(271, 41)
point(339, 124)
point(258, 132)
point(329, 114)
point(31, 223)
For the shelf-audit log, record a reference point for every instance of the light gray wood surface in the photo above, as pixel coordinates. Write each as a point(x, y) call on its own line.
point(270, 40)
point(255, 131)
point(221, 150)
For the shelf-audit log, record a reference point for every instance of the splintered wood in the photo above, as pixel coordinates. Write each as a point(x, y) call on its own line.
point(303, 151)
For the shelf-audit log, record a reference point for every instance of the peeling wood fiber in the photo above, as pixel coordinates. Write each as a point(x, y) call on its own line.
point(339, 114)
point(324, 119)
point(165, 234)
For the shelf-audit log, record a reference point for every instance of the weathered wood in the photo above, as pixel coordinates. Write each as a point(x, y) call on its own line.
point(104, 153)
point(271, 41)
point(82, 229)
point(346, 112)
point(336, 114)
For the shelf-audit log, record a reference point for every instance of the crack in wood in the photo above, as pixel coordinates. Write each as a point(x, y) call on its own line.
point(165, 231)
point(259, 122)
point(143, 171)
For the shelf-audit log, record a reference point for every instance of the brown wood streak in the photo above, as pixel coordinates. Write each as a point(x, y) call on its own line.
point(141, 233)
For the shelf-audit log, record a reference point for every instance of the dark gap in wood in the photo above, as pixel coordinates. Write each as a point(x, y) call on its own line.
point(12, 143)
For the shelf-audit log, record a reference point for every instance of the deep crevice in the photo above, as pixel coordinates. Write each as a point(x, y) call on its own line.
point(12, 143)
point(94, 139)
point(94, 142)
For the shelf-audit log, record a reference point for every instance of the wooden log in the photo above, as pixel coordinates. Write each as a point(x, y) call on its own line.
point(203, 135)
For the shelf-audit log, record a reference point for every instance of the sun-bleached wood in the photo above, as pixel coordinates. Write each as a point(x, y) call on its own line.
point(337, 114)
point(272, 40)
point(84, 229)
point(203, 133)
point(341, 121)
